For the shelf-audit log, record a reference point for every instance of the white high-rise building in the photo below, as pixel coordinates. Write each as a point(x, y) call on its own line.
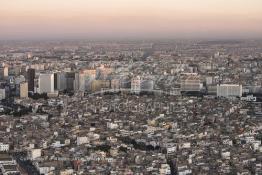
point(46, 83)
point(229, 90)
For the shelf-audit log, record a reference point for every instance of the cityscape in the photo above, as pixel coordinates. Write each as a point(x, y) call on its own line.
point(122, 105)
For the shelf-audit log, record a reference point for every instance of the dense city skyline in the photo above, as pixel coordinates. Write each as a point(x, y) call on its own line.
point(28, 19)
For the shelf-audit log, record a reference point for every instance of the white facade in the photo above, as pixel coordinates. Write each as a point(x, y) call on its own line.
point(165, 169)
point(4, 147)
point(112, 125)
point(82, 140)
point(34, 153)
point(229, 90)
point(46, 83)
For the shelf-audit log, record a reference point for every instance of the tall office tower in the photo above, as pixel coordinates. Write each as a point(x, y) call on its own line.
point(229, 90)
point(190, 83)
point(55, 80)
point(76, 82)
point(70, 81)
point(31, 79)
point(61, 81)
point(85, 79)
point(136, 84)
point(46, 83)
point(23, 90)
point(3, 73)
point(66, 81)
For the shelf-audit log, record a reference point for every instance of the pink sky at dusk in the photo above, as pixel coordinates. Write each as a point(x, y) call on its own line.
point(40, 19)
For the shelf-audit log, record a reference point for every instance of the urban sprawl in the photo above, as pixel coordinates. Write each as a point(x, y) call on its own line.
point(131, 107)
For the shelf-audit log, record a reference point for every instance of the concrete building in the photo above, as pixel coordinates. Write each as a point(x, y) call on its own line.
point(98, 85)
point(136, 84)
point(19, 79)
point(34, 153)
point(229, 90)
point(71, 81)
point(8, 165)
point(190, 83)
point(66, 81)
point(60, 81)
point(3, 72)
point(23, 90)
point(46, 83)
point(103, 72)
point(125, 82)
point(4, 147)
point(115, 84)
point(85, 78)
point(147, 85)
point(2, 94)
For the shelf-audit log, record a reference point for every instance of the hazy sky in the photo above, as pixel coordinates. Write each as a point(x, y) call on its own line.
point(57, 19)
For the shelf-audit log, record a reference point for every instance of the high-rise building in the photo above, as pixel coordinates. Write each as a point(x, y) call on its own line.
point(31, 79)
point(66, 81)
point(136, 84)
point(76, 82)
point(85, 79)
point(3, 72)
point(70, 81)
point(60, 81)
point(229, 90)
point(55, 81)
point(46, 83)
point(23, 90)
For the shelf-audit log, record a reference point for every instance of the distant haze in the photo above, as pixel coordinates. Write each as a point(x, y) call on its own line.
point(69, 19)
